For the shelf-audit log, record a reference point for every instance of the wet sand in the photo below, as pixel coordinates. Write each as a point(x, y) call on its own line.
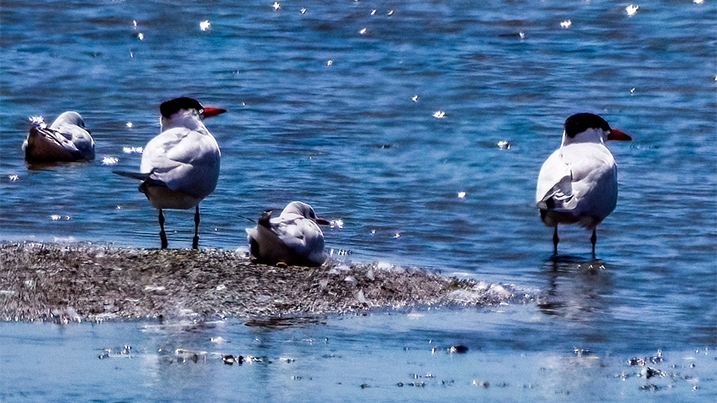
point(62, 283)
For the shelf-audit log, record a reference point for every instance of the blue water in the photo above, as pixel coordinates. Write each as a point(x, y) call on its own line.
point(322, 111)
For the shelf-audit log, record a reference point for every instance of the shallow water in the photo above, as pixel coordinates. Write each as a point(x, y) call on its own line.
point(322, 111)
point(397, 356)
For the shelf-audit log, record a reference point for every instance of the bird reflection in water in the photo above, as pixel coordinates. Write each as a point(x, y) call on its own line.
point(575, 288)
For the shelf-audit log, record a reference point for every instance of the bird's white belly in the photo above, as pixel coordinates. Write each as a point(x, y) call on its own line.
point(162, 197)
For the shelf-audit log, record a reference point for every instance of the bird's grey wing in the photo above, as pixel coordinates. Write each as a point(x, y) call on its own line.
point(303, 236)
point(61, 139)
point(183, 159)
point(83, 142)
point(554, 190)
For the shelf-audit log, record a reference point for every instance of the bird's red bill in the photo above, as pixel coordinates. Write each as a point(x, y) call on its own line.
point(209, 111)
point(618, 135)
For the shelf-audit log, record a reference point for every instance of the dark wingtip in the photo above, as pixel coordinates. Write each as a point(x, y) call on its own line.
point(264, 219)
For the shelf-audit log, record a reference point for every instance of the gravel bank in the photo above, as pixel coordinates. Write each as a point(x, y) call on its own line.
point(58, 282)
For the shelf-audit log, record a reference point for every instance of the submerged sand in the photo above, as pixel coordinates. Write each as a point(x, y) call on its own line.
point(60, 282)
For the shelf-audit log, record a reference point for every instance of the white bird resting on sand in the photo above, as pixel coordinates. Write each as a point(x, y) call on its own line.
point(66, 139)
point(180, 166)
point(293, 238)
point(578, 182)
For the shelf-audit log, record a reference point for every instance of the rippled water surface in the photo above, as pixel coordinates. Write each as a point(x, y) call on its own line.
point(333, 103)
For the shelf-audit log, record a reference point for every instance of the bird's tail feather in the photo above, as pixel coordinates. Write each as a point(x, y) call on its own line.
point(146, 178)
point(135, 175)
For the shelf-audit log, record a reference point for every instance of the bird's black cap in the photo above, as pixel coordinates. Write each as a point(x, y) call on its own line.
point(173, 106)
point(580, 122)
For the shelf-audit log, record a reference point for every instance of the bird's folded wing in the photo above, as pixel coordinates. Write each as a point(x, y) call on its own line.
point(82, 140)
point(294, 233)
point(555, 189)
point(61, 139)
point(187, 146)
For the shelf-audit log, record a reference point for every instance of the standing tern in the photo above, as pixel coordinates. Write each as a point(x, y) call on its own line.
point(180, 167)
point(578, 182)
point(66, 139)
point(293, 238)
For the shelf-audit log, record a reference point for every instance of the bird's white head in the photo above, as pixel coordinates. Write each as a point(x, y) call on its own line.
point(71, 117)
point(590, 128)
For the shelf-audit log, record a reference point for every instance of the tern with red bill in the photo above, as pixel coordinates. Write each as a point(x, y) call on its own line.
point(293, 238)
point(180, 167)
point(578, 182)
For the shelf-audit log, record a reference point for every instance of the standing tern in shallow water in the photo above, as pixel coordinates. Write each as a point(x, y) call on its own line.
point(578, 182)
point(180, 167)
point(293, 238)
point(66, 139)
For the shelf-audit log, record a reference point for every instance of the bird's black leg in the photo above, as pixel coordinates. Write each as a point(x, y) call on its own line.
point(162, 234)
point(593, 239)
point(195, 242)
point(555, 241)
